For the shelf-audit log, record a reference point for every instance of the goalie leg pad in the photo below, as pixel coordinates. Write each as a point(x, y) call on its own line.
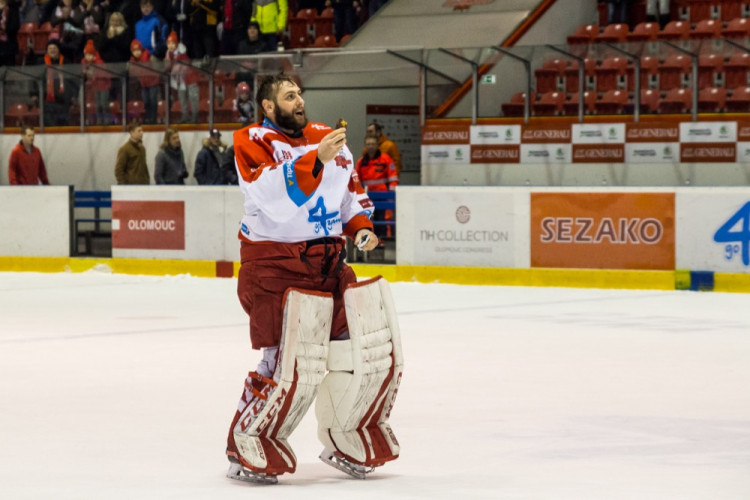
point(274, 407)
point(356, 397)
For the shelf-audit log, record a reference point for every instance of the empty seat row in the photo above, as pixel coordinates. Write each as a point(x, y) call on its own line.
point(648, 31)
point(698, 10)
point(677, 100)
point(618, 73)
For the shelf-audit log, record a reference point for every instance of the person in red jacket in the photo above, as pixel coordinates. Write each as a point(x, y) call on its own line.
point(182, 77)
point(148, 79)
point(377, 172)
point(97, 81)
point(25, 166)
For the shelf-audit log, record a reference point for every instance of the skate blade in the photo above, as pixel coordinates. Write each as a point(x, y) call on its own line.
point(344, 465)
point(238, 472)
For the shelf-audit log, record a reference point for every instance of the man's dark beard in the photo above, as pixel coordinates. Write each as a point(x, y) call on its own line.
point(287, 121)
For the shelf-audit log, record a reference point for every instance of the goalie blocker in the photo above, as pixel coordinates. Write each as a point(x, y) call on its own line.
point(354, 399)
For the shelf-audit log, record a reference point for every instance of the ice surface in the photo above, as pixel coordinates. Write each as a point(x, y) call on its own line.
point(122, 387)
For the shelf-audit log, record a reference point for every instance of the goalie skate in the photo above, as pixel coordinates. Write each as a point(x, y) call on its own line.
point(338, 461)
point(238, 472)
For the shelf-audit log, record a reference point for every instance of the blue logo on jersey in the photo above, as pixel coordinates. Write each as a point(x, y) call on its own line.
point(739, 240)
point(321, 217)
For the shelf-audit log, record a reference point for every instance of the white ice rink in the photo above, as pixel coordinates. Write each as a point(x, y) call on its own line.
point(122, 387)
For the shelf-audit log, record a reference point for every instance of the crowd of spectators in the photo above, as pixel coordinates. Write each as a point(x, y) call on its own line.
point(206, 28)
point(183, 34)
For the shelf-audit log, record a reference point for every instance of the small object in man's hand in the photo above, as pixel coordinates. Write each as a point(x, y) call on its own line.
point(363, 241)
point(341, 123)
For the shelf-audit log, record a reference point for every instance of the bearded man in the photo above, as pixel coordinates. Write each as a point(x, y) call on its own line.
point(302, 198)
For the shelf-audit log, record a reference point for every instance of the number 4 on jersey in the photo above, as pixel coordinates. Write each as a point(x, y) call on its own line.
point(740, 222)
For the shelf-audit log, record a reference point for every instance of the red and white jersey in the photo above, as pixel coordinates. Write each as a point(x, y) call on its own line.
point(284, 201)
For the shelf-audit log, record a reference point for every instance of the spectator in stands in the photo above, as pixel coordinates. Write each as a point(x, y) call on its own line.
point(234, 23)
point(70, 28)
point(385, 145)
point(271, 16)
point(25, 165)
point(170, 162)
point(57, 87)
point(252, 43)
point(148, 79)
point(209, 160)
point(97, 82)
point(31, 11)
point(377, 172)
point(658, 11)
point(92, 18)
point(151, 30)
point(617, 11)
point(131, 167)
point(228, 167)
point(244, 104)
point(114, 42)
point(177, 16)
point(182, 77)
point(344, 18)
point(204, 17)
point(9, 25)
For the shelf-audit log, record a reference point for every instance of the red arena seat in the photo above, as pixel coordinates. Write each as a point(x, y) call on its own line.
point(612, 102)
point(675, 30)
point(708, 28)
point(549, 76)
point(571, 75)
point(649, 102)
point(710, 69)
point(739, 101)
point(736, 70)
point(549, 104)
point(712, 100)
point(613, 33)
point(584, 34)
point(674, 71)
point(515, 106)
point(737, 28)
point(677, 100)
point(649, 73)
point(644, 32)
point(570, 107)
point(611, 74)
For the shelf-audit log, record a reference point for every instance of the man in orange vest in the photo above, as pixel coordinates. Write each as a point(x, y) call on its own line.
point(377, 172)
point(385, 145)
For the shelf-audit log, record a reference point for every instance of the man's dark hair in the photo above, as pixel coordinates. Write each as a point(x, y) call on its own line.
point(24, 128)
point(378, 127)
point(133, 125)
point(269, 86)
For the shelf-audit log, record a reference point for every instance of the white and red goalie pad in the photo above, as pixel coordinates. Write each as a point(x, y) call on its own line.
point(269, 418)
point(356, 397)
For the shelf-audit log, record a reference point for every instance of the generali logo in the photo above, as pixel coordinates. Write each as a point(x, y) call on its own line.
point(447, 136)
point(653, 133)
point(708, 153)
point(495, 154)
point(598, 153)
point(546, 135)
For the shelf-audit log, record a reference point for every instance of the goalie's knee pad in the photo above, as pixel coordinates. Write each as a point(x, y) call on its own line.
point(273, 407)
point(356, 397)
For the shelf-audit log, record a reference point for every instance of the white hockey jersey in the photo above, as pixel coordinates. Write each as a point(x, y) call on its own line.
point(284, 202)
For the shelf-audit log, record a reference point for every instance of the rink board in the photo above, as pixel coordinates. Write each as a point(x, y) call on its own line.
point(654, 238)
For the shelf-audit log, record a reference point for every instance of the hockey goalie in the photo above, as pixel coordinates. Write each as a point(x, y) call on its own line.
point(322, 334)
